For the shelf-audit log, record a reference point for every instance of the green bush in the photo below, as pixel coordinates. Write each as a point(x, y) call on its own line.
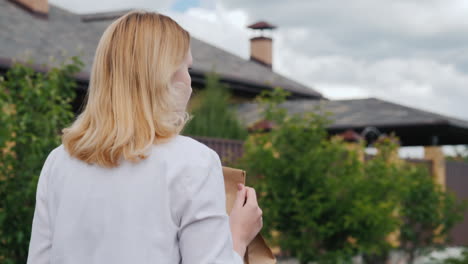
point(34, 107)
point(428, 213)
point(314, 191)
point(322, 203)
point(213, 117)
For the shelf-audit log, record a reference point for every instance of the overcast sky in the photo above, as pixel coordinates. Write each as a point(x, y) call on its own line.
point(407, 51)
point(413, 52)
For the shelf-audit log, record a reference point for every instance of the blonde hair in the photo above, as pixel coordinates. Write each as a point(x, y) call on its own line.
point(130, 103)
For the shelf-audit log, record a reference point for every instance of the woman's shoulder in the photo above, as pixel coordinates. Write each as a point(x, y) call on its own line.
point(188, 144)
point(60, 153)
point(188, 149)
point(55, 153)
point(53, 160)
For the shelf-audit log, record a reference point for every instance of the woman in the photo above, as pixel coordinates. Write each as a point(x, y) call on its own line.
point(125, 187)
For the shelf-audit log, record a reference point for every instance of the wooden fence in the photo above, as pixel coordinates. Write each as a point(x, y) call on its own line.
point(457, 182)
point(229, 150)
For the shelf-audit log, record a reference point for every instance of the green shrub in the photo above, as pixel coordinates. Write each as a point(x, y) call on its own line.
point(314, 191)
point(34, 107)
point(322, 203)
point(213, 116)
point(428, 213)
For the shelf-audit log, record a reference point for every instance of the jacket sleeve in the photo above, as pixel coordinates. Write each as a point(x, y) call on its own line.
point(41, 242)
point(204, 233)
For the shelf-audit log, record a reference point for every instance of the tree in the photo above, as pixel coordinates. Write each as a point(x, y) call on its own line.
point(314, 192)
point(383, 182)
point(35, 106)
point(428, 212)
point(322, 203)
point(213, 117)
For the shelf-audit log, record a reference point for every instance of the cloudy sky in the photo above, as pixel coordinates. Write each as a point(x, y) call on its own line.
point(407, 51)
point(412, 52)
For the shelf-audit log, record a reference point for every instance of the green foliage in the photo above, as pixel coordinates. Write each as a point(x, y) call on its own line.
point(322, 203)
point(383, 182)
point(34, 107)
point(426, 212)
point(429, 213)
point(315, 191)
point(213, 117)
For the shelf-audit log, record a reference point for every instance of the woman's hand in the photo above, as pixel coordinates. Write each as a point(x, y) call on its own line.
point(245, 219)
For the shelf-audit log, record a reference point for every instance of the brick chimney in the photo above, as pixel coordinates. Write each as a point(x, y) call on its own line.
point(261, 46)
point(37, 7)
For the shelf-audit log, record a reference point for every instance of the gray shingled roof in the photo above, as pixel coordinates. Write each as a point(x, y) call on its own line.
point(414, 126)
point(62, 34)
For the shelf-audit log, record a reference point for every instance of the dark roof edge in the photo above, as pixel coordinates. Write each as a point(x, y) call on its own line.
point(6, 63)
point(83, 77)
point(237, 81)
point(443, 118)
point(454, 121)
point(393, 125)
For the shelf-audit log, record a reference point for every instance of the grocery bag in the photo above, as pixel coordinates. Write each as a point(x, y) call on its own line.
point(257, 251)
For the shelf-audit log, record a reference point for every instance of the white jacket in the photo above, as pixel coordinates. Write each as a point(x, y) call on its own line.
point(169, 208)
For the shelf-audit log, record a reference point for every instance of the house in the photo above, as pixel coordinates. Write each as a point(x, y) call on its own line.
point(35, 29)
point(38, 30)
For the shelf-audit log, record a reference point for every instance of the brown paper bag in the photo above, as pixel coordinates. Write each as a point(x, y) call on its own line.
point(257, 251)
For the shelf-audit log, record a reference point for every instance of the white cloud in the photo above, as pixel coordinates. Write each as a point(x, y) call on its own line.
point(220, 27)
point(431, 80)
point(426, 84)
point(409, 52)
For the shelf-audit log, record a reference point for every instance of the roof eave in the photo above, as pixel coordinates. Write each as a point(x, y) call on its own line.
point(416, 134)
point(197, 76)
point(251, 86)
